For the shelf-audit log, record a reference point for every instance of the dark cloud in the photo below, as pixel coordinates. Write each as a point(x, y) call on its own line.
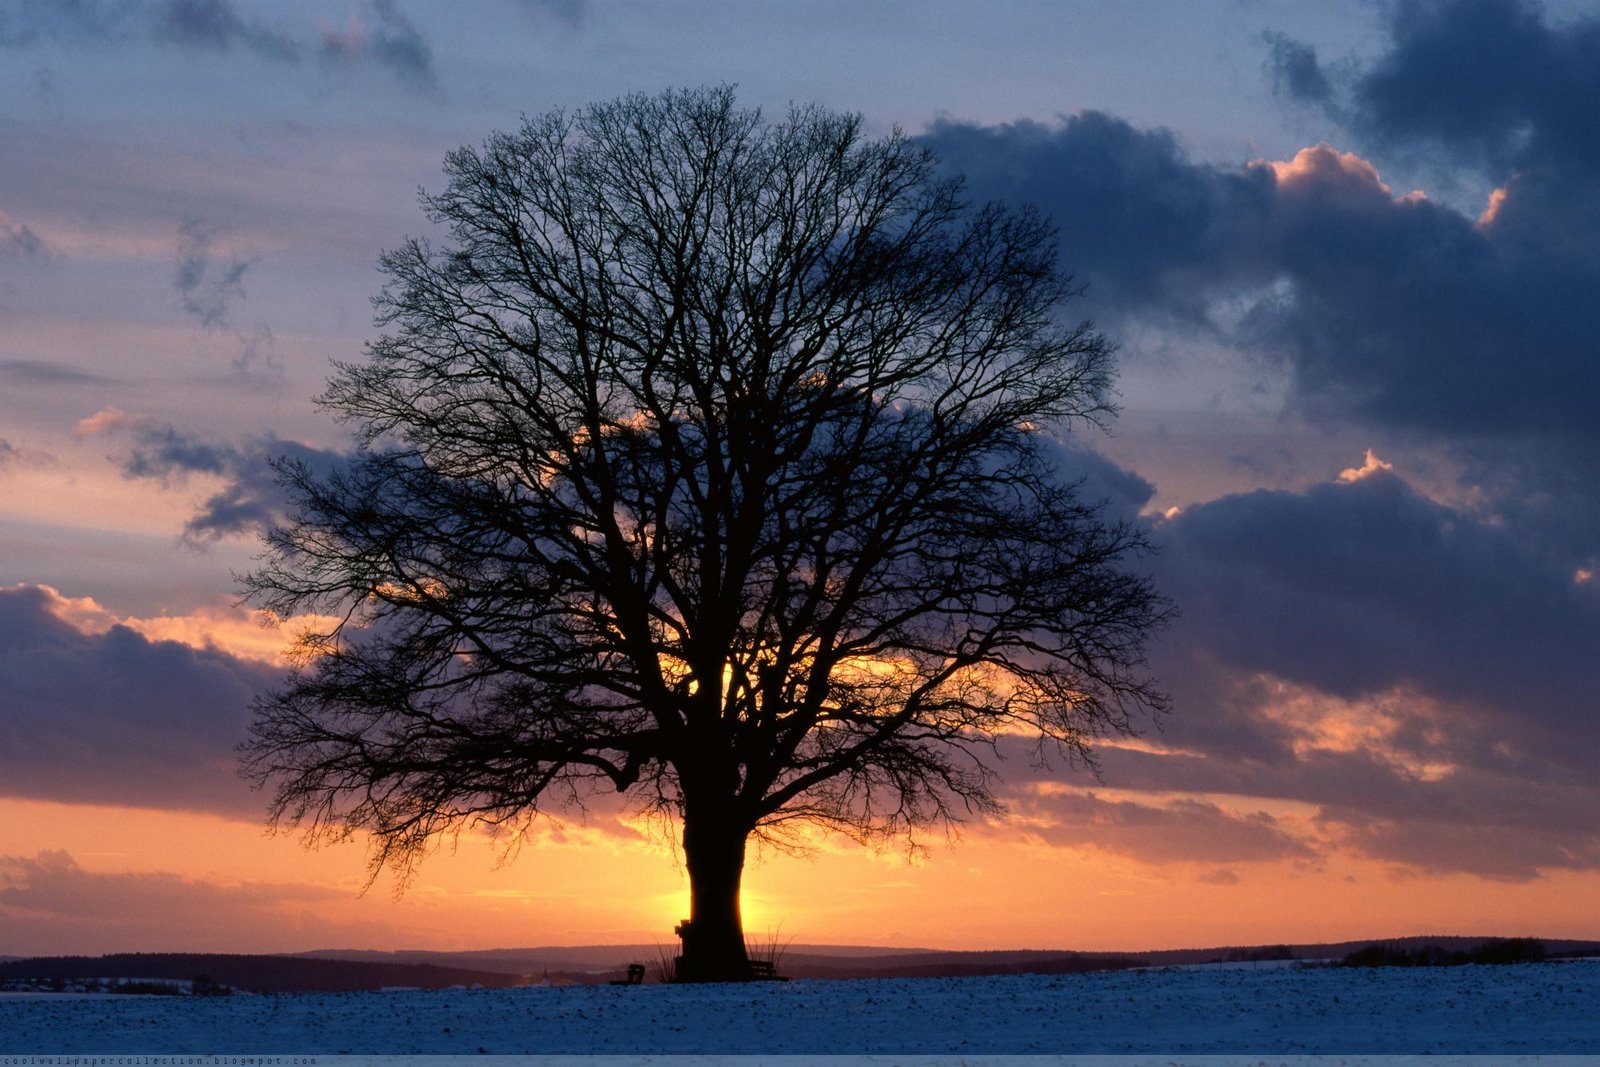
point(387, 39)
point(210, 287)
point(194, 25)
point(65, 22)
point(1413, 670)
point(1180, 831)
point(397, 45)
point(1295, 70)
point(115, 718)
point(13, 456)
point(1404, 313)
point(1489, 332)
point(51, 904)
point(1492, 82)
point(1451, 845)
point(162, 451)
point(1477, 821)
point(17, 239)
point(216, 25)
point(22, 373)
point(1393, 310)
point(1419, 675)
point(207, 289)
point(569, 11)
point(1384, 309)
point(52, 884)
point(1365, 587)
point(251, 500)
point(392, 42)
point(1137, 219)
point(1118, 491)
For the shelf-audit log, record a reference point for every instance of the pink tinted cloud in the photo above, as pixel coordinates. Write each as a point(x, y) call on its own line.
point(50, 904)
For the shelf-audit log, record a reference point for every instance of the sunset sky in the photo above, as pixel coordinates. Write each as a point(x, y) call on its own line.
point(1351, 254)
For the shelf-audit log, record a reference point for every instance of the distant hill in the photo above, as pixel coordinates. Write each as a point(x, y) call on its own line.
point(333, 970)
point(258, 974)
point(601, 962)
point(596, 960)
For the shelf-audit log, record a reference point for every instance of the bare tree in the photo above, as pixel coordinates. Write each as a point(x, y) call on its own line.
point(706, 463)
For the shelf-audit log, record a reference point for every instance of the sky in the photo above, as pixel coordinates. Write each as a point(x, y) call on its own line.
point(1350, 256)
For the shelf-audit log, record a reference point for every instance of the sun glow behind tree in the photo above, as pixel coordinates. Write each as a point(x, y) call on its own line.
point(703, 465)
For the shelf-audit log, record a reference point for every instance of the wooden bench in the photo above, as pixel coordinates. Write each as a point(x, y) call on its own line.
point(635, 976)
point(765, 971)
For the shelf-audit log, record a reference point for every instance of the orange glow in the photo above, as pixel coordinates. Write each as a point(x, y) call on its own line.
point(1321, 723)
point(241, 632)
point(98, 498)
point(1075, 865)
point(1372, 466)
point(1321, 161)
point(106, 420)
point(1309, 162)
point(991, 889)
point(1497, 198)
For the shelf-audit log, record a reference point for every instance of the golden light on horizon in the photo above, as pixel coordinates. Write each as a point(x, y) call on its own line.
point(986, 890)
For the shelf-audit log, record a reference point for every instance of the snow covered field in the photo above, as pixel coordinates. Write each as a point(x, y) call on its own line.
point(1532, 1008)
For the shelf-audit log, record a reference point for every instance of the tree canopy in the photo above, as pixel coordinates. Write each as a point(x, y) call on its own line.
point(705, 459)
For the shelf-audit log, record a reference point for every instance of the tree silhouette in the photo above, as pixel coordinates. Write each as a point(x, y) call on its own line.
point(707, 462)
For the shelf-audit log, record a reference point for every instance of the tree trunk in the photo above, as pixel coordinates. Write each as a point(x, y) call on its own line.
point(713, 938)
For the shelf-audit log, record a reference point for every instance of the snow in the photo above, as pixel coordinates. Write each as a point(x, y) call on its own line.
point(1525, 1009)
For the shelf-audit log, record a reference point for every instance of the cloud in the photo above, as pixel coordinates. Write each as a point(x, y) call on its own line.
point(49, 903)
point(1488, 336)
point(209, 288)
point(192, 25)
point(1366, 586)
point(1407, 667)
point(1120, 492)
point(1369, 466)
point(246, 634)
point(251, 498)
point(216, 25)
point(1404, 313)
point(15, 456)
point(1451, 845)
point(162, 451)
point(251, 635)
point(51, 883)
point(1295, 70)
point(109, 420)
point(1172, 831)
point(1491, 82)
point(27, 22)
point(569, 11)
point(1381, 307)
point(386, 38)
point(250, 502)
point(17, 239)
point(1136, 217)
point(1390, 309)
point(1489, 823)
point(22, 373)
point(112, 717)
point(389, 40)
point(1417, 677)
